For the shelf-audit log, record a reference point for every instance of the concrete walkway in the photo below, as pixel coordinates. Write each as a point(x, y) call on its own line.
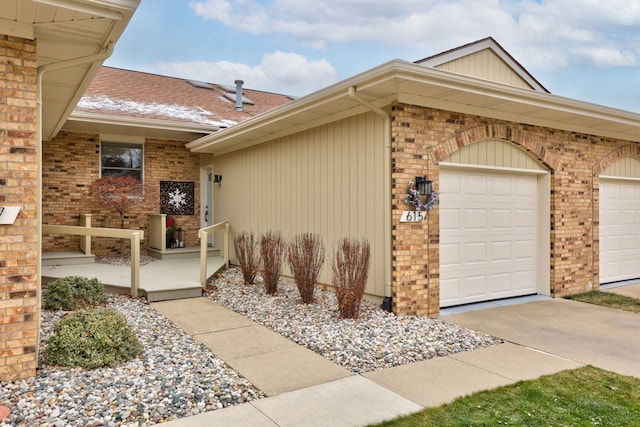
point(303, 388)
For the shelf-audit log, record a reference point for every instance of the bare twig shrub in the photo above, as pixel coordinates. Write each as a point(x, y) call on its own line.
point(305, 256)
point(272, 251)
point(350, 271)
point(248, 256)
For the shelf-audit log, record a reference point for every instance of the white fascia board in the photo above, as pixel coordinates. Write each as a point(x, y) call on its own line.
point(141, 123)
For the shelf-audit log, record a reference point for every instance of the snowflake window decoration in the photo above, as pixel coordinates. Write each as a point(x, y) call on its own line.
point(177, 197)
point(413, 199)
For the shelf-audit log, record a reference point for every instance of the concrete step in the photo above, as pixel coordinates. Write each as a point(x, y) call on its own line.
point(181, 253)
point(67, 258)
point(173, 294)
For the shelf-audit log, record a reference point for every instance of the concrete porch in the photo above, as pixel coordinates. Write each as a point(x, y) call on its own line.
point(175, 276)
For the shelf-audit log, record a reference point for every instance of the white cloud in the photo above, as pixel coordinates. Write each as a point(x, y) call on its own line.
point(545, 34)
point(279, 72)
point(605, 57)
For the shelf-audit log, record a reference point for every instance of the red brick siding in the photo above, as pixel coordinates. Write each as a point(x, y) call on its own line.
point(71, 162)
point(421, 137)
point(19, 309)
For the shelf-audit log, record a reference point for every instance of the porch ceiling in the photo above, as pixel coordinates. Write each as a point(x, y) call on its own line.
point(65, 30)
point(414, 84)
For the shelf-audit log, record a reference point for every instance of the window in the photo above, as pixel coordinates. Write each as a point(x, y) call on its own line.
point(119, 159)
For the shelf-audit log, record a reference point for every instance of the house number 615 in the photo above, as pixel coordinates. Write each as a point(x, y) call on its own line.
point(413, 216)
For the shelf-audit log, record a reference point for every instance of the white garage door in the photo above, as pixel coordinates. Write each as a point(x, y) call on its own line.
point(488, 236)
point(619, 230)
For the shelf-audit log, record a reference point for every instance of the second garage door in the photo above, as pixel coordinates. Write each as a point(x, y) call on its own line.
point(619, 230)
point(488, 236)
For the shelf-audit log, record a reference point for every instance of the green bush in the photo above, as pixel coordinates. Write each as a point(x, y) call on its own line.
point(72, 293)
point(92, 339)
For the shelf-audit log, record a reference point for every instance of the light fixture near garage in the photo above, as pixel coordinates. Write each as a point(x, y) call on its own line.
point(424, 186)
point(217, 179)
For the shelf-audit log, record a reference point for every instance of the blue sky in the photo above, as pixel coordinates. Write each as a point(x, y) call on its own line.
point(583, 49)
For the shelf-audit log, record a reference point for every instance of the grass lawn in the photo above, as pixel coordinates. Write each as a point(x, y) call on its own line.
point(608, 299)
point(581, 397)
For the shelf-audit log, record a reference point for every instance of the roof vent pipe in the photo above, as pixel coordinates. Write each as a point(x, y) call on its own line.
point(239, 84)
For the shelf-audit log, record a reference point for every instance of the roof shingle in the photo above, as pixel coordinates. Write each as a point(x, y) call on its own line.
point(118, 92)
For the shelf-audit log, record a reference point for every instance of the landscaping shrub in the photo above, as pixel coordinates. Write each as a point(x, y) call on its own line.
point(306, 256)
point(350, 271)
point(247, 252)
point(272, 250)
point(92, 339)
point(72, 293)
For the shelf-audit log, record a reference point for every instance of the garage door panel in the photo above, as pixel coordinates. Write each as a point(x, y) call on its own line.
point(522, 278)
point(449, 291)
point(500, 219)
point(475, 219)
point(449, 254)
point(475, 252)
point(495, 237)
point(473, 287)
point(500, 251)
point(525, 250)
point(449, 219)
point(473, 186)
point(619, 230)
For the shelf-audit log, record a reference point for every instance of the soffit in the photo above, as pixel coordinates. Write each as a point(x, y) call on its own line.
point(67, 30)
point(414, 84)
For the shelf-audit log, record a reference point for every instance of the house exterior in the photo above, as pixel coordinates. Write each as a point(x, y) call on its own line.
point(137, 123)
point(538, 193)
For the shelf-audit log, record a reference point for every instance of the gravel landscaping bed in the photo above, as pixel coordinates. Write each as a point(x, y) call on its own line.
point(178, 376)
point(376, 340)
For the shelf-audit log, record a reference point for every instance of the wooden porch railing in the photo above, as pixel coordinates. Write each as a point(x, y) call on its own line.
point(203, 234)
point(136, 236)
point(158, 232)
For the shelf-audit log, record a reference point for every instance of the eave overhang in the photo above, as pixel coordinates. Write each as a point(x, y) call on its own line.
point(409, 83)
point(66, 30)
point(134, 126)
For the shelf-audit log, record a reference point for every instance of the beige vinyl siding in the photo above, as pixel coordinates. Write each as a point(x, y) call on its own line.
point(327, 180)
point(495, 153)
point(627, 167)
point(485, 65)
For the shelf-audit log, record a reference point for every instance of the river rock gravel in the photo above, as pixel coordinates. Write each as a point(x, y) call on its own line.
point(178, 377)
point(377, 340)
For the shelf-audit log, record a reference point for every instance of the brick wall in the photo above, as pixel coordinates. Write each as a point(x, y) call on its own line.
point(421, 137)
point(71, 162)
point(19, 310)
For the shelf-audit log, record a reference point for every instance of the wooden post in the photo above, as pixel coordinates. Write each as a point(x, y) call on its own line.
point(226, 244)
point(204, 237)
point(85, 241)
point(135, 263)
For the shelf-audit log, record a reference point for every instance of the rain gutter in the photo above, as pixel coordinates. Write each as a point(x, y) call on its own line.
point(387, 303)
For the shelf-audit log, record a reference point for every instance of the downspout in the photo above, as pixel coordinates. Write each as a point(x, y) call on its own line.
point(388, 278)
point(41, 71)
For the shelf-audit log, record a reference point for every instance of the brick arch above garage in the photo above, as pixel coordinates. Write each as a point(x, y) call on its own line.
point(615, 156)
point(533, 146)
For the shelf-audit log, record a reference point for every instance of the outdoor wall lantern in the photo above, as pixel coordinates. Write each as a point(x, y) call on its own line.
point(424, 186)
point(217, 178)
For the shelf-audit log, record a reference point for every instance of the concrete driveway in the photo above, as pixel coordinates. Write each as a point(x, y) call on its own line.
point(585, 333)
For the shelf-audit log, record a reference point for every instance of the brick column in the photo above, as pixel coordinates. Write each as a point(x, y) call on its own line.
point(19, 307)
